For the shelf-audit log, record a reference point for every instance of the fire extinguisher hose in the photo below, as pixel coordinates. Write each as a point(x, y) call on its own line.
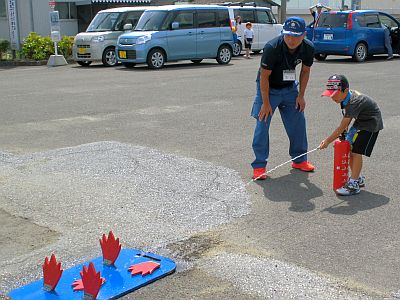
point(278, 166)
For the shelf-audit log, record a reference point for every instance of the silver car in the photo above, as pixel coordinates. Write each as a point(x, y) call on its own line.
point(99, 41)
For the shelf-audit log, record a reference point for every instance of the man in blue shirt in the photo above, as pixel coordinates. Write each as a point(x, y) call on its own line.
point(277, 87)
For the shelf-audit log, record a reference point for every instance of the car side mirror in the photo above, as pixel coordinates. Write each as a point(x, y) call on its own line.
point(128, 27)
point(175, 25)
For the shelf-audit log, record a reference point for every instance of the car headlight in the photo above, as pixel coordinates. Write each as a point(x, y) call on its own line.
point(97, 39)
point(143, 39)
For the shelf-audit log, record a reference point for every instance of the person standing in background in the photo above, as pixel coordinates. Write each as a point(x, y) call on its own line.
point(388, 41)
point(318, 11)
point(248, 38)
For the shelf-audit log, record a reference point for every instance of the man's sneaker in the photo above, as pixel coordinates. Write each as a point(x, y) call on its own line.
point(259, 174)
point(305, 166)
point(361, 181)
point(350, 188)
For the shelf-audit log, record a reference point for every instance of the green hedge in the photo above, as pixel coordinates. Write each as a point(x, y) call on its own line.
point(4, 47)
point(40, 48)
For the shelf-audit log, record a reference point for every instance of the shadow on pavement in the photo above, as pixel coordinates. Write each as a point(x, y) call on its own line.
point(294, 188)
point(353, 204)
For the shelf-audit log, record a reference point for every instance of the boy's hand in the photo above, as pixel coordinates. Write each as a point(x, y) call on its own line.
point(323, 145)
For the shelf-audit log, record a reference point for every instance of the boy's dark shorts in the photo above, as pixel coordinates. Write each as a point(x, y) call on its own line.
point(362, 141)
point(247, 43)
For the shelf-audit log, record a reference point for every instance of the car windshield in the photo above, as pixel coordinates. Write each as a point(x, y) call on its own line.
point(104, 22)
point(151, 20)
point(332, 20)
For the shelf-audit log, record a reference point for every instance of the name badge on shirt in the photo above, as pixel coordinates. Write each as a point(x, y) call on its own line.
point(289, 75)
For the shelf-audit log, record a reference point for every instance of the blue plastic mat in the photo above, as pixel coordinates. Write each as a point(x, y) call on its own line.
point(119, 280)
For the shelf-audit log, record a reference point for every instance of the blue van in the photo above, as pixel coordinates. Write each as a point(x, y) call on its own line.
point(358, 33)
point(178, 32)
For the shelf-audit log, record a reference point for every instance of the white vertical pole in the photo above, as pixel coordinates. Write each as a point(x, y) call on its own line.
point(55, 48)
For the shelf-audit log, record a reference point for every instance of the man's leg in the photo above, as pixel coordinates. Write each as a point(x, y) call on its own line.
point(261, 132)
point(388, 43)
point(261, 143)
point(295, 126)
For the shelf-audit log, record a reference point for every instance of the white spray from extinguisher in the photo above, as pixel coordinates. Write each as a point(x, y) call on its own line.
point(278, 166)
point(269, 171)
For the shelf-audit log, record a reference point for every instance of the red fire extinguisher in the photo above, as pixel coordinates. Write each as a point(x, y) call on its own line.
point(341, 162)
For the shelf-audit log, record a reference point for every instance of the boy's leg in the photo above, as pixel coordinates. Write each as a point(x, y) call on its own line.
point(355, 165)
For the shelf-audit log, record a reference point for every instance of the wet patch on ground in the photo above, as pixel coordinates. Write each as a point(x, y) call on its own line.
point(193, 248)
point(20, 236)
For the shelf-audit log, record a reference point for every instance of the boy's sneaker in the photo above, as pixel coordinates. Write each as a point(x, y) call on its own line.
point(350, 188)
point(259, 174)
point(361, 181)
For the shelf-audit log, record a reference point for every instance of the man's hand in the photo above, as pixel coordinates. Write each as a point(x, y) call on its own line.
point(265, 111)
point(323, 145)
point(300, 103)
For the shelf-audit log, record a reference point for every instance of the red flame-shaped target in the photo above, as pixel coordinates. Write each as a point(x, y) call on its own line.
point(144, 268)
point(51, 273)
point(91, 281)
point(78, 284)
point(110, 248)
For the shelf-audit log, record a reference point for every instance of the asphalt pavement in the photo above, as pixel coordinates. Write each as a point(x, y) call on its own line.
point(162, 158)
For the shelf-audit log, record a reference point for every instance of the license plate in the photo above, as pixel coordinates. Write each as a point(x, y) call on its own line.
point(81, 50)
point(122, 54)
point(328, 36)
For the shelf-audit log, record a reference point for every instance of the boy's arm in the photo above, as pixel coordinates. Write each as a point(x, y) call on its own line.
point(311, 8)
point(327, 8)
point(336, 133)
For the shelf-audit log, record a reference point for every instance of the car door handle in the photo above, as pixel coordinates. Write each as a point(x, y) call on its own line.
point(202, 32)
point(189, 33)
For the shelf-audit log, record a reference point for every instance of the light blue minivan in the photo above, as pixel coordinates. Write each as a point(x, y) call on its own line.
point(178, 32)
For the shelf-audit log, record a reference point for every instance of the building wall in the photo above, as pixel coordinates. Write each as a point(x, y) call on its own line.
point(300, 7)
point(4, 31)
point(33, 15)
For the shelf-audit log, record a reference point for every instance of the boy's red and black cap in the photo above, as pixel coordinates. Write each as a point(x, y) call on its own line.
point(335, 83)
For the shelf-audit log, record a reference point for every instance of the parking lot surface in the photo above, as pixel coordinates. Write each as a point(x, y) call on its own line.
point(162, 158)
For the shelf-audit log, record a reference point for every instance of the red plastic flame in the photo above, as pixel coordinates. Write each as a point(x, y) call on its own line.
point(78, 284)
point(110, 248)
point(145, 268)
point(51, 273)
point(91, 281)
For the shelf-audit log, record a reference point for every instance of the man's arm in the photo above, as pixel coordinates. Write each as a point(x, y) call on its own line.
point(327, 8)
point(311, 8)
point(336, 133)
point(266, 109)
point(304, 77)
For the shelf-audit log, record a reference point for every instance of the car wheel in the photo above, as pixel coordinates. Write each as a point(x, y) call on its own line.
point(196, 61)
point(224, 55)
point(320, 56)
point(256, 51)
point(84, 63)
point(237, 49)
point(109, 59)
point(128, 65)
point(156, 59)
point(360, 52)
